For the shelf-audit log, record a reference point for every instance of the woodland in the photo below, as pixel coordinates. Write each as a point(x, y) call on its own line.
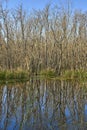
point(53, 39)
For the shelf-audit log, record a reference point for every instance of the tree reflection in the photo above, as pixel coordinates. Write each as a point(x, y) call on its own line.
point(43, 105)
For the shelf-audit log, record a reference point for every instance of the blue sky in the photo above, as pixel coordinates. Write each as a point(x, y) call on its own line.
point(40, 4)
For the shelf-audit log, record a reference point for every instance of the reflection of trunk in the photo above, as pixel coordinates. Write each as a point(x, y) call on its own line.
point(1, 101)
point(40, 124)
point(23, 107)
point(8, 106)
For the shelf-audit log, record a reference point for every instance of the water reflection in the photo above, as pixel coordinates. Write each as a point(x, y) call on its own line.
point(43, 105)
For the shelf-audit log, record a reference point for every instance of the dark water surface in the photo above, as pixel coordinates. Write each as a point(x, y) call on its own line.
point(43, 105)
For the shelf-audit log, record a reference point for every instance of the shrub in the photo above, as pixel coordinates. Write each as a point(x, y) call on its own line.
point(13, 75)
point(48, 73)
point(3, 75)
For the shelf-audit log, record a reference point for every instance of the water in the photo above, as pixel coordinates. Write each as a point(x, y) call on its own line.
point(43, 105)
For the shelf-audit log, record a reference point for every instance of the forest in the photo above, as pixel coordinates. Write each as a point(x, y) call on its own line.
point(52, 39)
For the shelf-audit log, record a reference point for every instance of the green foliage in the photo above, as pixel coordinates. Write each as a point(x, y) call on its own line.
point(8, 75)
point(21, 74)
point(75, 74)
point(3, 75)
point(48, 73)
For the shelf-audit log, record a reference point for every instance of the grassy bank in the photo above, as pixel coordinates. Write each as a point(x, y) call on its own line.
point(66, 75)
point(75, 74)
point(11, 75)
point(48, 73)
point(20, 75)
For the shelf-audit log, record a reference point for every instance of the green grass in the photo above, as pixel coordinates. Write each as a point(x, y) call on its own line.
point(48, 73)
point(66, 75)
point(20, 75)
point(75, 74)
point(10, 75)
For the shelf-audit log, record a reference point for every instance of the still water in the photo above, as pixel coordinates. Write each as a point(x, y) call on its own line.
point(43, 105)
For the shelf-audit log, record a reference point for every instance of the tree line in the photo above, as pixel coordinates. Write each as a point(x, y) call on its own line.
point(51, 38)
